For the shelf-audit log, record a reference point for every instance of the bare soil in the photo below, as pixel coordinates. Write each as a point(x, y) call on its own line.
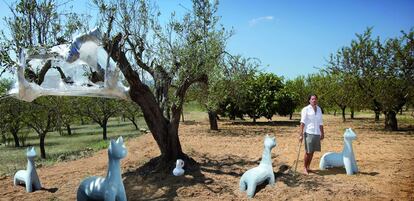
point(385, 160)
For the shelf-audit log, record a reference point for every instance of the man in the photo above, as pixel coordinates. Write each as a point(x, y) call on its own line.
point(311, 129)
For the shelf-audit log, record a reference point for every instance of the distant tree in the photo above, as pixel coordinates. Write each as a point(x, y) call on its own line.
point(131, 111)
point(262, 94)
point(287, 101)
point(301, 88)
point(12, 113)
point(42, 117)
point(235, 95)
point(99, 110)
point(383, 70)
point(66, 112)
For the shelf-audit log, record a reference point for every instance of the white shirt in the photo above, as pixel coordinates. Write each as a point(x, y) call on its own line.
point(311, 119)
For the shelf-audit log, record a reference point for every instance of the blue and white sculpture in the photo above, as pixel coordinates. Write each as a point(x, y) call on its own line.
point(71, 71)
point(29, 176)
point(261, 173)
point(178, 170)
point(344, 159)
point(111, 187)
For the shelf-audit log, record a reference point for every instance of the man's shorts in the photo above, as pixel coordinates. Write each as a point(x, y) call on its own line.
point(312, 143)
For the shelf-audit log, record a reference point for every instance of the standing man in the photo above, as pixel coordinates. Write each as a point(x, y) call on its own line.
point(311, 128)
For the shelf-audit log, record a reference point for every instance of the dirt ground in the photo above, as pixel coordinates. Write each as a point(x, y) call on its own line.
point(385, 160)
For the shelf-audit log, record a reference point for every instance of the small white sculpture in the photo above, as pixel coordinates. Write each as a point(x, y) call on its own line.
point(345, 158)
point(111, 187)
point(178, 170)
point(29, 176)
point(261, 173)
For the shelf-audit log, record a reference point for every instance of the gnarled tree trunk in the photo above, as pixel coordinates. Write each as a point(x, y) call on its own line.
point(391, 120)
point(212, 117)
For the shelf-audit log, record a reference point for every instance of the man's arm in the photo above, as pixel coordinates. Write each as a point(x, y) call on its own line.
point(322, 132)
point(302, 125)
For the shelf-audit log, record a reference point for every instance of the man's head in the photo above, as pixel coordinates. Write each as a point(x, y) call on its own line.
point(313, 99)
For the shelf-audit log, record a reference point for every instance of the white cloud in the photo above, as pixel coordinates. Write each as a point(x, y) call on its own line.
point(259, 19)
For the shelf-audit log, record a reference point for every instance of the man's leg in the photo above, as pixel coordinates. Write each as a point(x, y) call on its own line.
point(307, 160)
point(310, 156)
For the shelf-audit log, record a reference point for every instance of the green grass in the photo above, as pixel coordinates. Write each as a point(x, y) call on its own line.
point(85, 139)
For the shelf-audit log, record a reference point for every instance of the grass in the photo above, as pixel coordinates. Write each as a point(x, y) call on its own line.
point(85, 140)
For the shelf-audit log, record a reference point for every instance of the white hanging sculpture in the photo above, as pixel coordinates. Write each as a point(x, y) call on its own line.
point(29, 176)
point(111, 187)
point(261, 173)
point(178, 170)
point(83, 57)
point(344, 159)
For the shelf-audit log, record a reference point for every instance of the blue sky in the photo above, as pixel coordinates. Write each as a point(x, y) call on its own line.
point(294, 38)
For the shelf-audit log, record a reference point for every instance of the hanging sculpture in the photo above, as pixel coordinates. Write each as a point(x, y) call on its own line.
point(82, 68)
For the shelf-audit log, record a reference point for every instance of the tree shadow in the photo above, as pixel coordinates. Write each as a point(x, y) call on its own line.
point(331, 171)
point(368, 173)
point(144, 183)
point(50, 190)
point(292, 123)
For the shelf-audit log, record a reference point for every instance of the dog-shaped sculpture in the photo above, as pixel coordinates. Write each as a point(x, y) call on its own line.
point(344, 159)
point(111, 187)
point(261, 173)
point(29, 176)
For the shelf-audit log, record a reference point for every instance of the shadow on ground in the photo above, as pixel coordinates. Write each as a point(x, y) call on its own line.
point(292, 123)
point(213, 176)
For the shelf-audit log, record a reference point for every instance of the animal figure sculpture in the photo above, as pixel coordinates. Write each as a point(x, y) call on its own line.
point(344, 159)
point(111, 187)
point(29, 176)
point(178, 170)
point(264, 172)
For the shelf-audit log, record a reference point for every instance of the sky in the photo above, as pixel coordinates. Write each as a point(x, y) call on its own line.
point(293, 38)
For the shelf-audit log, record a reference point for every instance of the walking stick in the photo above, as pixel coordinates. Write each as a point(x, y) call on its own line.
point(297, 158)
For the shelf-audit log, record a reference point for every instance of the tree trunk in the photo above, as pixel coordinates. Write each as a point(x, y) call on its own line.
point(212, 117)
point(133, 122)
point(104, 125)
point(164, 131)
point(68, 129)
point(16, 139)
point(377, 115)
point(391, 121)
point(343, 113)
point(352, 113)
point(254, 119)
point(290, 116)
point(42, 146)
point(334, 112)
